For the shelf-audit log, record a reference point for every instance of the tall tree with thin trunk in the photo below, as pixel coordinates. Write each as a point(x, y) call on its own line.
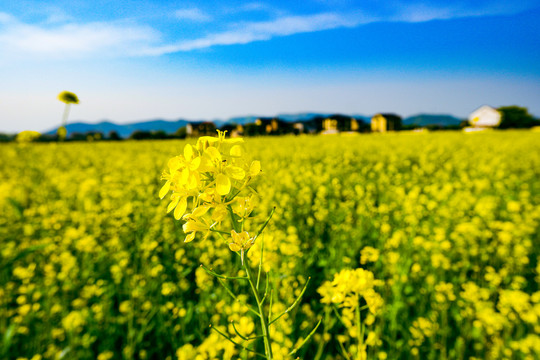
point(67, 98)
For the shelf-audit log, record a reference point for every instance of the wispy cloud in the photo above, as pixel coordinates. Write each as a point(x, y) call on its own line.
point(246, 32)
point(192, 14)
point(421, 11)
point(74, 40)
point(62, 38)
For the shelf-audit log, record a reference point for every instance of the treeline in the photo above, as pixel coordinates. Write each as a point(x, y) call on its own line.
point(512, 117)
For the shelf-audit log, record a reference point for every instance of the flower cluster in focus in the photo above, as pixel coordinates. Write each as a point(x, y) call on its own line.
point(206, 181)
point(348, 287)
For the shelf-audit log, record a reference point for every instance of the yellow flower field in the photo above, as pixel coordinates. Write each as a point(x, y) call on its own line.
point(435, 235)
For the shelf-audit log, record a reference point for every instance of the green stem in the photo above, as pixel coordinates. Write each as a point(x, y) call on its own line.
point(209, 271)
point(234, 220)
point(294, 303)
point(359, 331)
point(234, 342)
point(264, 323)
point(260, 264)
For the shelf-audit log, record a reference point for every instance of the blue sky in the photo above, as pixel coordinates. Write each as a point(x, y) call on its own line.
point(136, 60)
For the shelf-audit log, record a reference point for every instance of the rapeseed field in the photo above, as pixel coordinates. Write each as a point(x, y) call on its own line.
point(415, 246)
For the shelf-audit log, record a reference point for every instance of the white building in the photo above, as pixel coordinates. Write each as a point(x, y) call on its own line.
point(485, 117)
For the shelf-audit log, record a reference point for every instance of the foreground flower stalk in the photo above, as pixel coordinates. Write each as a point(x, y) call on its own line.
point(352, 291)
point(211, 191)
point(67, 98)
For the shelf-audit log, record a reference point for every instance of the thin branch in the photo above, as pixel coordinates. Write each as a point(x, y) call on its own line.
point(237, 299)
point(338, 316)
point(293, 304)
point(260, 263)
point(265, 223)
point(219, 231)
point(223, 276)
point(233, 218)
point(265, 289)
point(344, 352)
point(235, 343)
point(271, 301)
point(243, 337)
point(237, 332)
point(306, 339)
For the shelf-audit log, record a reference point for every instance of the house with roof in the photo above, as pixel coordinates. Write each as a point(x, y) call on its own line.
point(233, 130)
point(202, 128)
point(273, 126)
point(335, 124)
point(385, 122)
point(485, 117)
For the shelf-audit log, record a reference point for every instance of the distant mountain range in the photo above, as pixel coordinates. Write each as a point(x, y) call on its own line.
point(125, 130)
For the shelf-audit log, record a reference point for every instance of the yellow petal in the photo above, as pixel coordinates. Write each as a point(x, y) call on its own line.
point(200, 211)
point(174, 164)
point(195, 163)
point(237, 151)
point(205, 141)
point(234, 247)
point(213, 153)
point(243, 237)
point(223, 184)
point(185, 176)
point(173, 203)
point(220, 213)
point(235, 172)
point(190, 237)
point(194, 225)
point(255, 168)
point(188, 152)
point(180, 208)
point(193, 181)
point(165, 189)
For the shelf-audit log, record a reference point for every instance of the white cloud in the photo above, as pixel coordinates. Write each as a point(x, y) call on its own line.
point(121, 38)
point(74, 40)
point(192, 14)
point(247, 32)
point(420, 12)
point(6, 18)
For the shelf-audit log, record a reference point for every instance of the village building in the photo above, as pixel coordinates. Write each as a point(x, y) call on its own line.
point(385, 122)
point(339, 123)
point(233, 130)
point(273, 126)
point(197, 129)
point(485, 117)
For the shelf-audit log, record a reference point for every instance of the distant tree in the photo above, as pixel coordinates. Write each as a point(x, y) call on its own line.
point(6, 137)
point(363, 126)
point(140, 135)
point(453, 127)
point(516, 117)
point(253, 129)
point(409, 127)
point(27, 136)
point(159, 134)
point(435, 127)
point(181, 133)
point(113, 135)
point(77, 136)
point(94, 136)
point(48, 138)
